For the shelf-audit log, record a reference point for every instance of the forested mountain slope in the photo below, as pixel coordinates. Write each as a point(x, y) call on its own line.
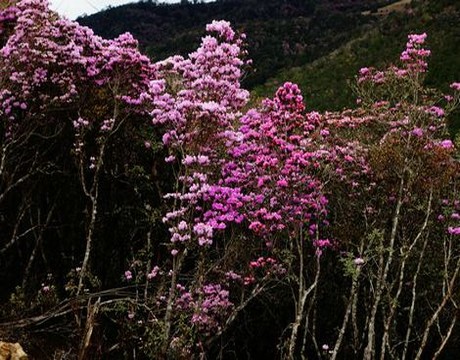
point(313, 43)
point(325, 81)
point(318, 44)
point(280, 34)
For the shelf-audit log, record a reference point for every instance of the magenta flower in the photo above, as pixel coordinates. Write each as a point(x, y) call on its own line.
point(417, 132)
point(447, 144)
point(455, 216)
point(417, 38)
point(436, 110)
point(282, 183)
point(128, 275)
point(153, 273)
point(455, 86)
point(454, 231)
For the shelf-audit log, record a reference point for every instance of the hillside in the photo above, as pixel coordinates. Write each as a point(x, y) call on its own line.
point(281, 34)
point(325, 82)
point(318, 44)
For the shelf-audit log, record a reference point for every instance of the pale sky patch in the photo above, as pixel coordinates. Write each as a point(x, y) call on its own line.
point(74, 8)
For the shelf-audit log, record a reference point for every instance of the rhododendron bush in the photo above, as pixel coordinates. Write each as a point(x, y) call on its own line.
point(145, 209)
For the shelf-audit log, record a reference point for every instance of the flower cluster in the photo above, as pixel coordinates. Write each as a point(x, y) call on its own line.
point(267, 266)
point(209, 306)
point(50, 63)
point(274, 164)
point(8, 15)
point(413, 59)
point(415, 55)
point(450, 216)
point(198, 117)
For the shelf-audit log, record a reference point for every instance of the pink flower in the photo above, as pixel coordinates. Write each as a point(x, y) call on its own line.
point(223, 28)
point(454, 231)
point(203, 241)
point(188, 160)
point(455, 86)
point(322, 243)
point(248, 280)
point(417, 38)
point(232, 275)
point(282, 183)
point(417, 132)
point(128, 275)
point(174, 252)
point(364, 71)
point(153, 273)
point(182, 226)
point(437, 111)
point(358, 261)
point(203, 160)
point(455, 216)
point(446, 144)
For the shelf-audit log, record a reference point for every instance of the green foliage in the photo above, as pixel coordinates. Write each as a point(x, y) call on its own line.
point(325, 82)
point(320, 45)
point(280, 34)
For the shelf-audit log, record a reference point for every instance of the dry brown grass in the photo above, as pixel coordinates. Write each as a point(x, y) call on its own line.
point(398, 6)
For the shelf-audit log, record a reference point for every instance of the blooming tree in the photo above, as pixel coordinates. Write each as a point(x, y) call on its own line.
point(411, 165)
point(66, 96)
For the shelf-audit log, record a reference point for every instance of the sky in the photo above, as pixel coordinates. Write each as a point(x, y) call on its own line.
point(74, 8)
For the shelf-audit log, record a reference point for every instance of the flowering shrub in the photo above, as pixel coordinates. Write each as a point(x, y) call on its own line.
point(410, 164)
